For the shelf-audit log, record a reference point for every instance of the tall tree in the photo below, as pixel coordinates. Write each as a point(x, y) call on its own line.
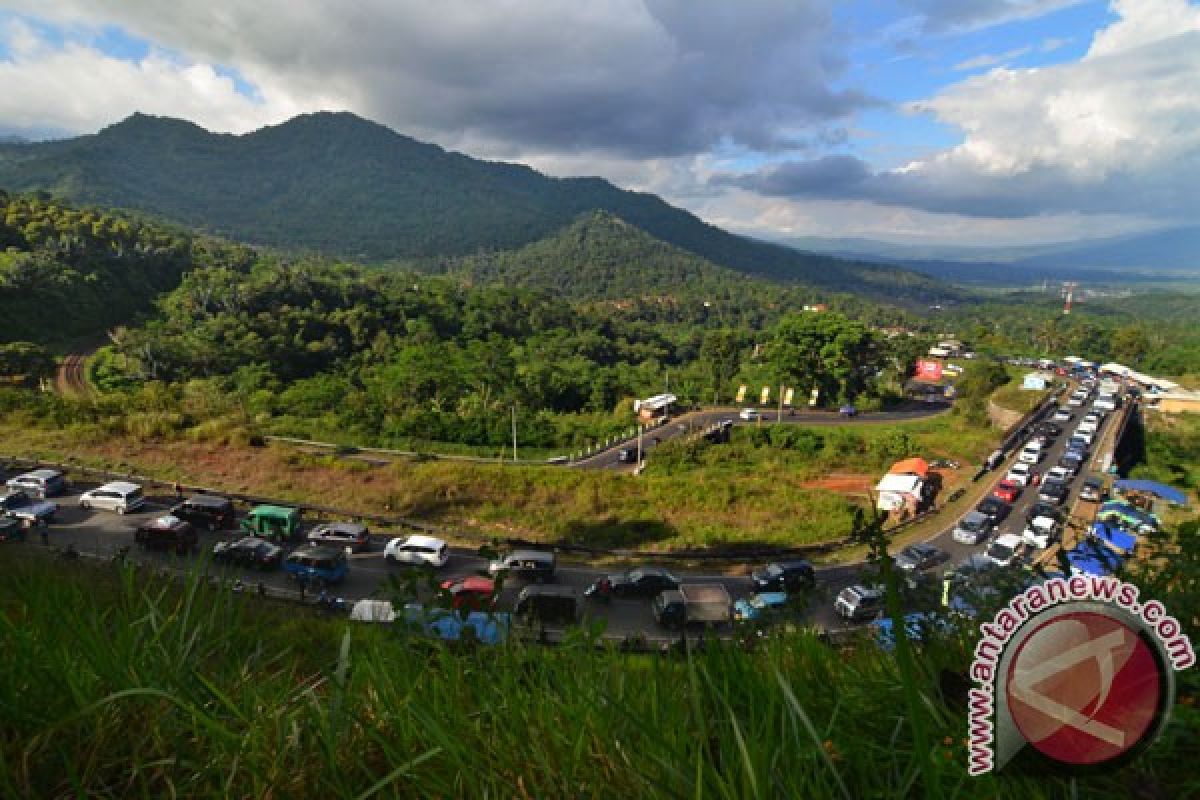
point(721, 354)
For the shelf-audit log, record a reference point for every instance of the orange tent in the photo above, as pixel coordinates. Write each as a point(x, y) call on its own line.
point(911, 466)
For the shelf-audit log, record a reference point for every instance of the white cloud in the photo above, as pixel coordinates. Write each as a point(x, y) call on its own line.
point(990, 60)
point(78, 88)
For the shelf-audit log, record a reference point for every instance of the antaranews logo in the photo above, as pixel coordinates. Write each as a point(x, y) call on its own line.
point(1078, 668)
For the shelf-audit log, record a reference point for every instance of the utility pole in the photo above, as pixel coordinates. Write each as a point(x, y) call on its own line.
point(514, 427)
point(639, 454)
point(779, 414)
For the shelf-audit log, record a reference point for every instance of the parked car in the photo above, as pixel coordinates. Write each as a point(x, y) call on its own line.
point(1093, 489)
point(1079, 443)
point(417, 550)
point(354, 535)
point(1020, 474)
point(40, 483)
point(1063, 415)
point(1107, 402)
point(317, 564)
point(119, 496)
point(1072, 461)
point(749, 414)
point(1041, 532)
point(29, 510)
point(472, 593)
point(640, 582)
point(547, 604)
point(1007, 490)
point(973, 528)
point(277, 523)
point(167, 533)
point(1044, 509)
point(1086, 428)
point(1053, 492)
point(848, 411)
point(1048, 429)
point(1084, 435)
point(249, 551)
point(525, 565)
point(691, 605)
point(206, 511)
point(760, 606)
point(784, 576)
point(627, 455)
point(858, 602)
point(1058, 474)
point(1030, 453)
point(919, 557)
point(1005, 549)
point(995, 508)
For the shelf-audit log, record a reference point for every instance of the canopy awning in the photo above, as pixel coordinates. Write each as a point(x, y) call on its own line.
point(902, 484)
point(1168, 493)
point(1093, 560)
point(911, 466)
point(1119, 541)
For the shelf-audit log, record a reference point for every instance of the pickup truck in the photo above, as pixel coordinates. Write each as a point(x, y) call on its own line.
point(19, 505)
point(693, 604)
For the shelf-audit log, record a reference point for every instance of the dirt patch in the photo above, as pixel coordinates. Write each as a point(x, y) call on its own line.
point(848, 483)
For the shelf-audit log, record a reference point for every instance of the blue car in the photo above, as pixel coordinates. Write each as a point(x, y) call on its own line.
point(315, 564)
point(917, 626)
point(759, 605)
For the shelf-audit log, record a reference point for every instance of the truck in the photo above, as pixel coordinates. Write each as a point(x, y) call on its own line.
point(693, 604)
point(18, 504)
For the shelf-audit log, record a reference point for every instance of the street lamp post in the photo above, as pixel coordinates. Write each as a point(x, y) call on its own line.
point(514, 430)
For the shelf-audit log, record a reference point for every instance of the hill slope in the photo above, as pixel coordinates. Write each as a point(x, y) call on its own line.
point(340, 184)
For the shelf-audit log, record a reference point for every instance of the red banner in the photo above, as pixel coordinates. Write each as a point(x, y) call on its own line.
point(929, 370)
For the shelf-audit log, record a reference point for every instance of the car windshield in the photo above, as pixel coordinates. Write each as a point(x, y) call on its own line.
point(1001, 552)
point(971, 523)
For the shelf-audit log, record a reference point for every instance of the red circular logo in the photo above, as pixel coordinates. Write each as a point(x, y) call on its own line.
point(1084, 688)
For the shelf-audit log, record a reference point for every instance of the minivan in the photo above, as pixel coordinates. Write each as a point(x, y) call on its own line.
point(547, 604)
point(527, 565)
point(317, 564)
point(40, 483)
point(119, 496)
point(206, 511)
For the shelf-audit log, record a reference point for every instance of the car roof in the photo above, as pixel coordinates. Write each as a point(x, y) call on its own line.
point(1008, 539)
point(344, 527)
point(316, 551)
point(210, 500)
point(41, 473)
point(165, 521)
point(124, 487)
point(530, 555)
point(772, 597)
point(275, 511)
point(246, 540)
point(421, 540)
point(471, 583)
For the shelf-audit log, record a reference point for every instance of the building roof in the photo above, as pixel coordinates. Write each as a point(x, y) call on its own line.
point(656, 403)
point(913, 466)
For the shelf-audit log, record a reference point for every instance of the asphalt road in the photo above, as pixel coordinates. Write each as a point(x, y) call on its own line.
point(695, 421)
point(103, 533)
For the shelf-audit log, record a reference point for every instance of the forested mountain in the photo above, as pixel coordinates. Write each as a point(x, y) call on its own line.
point(336, 183)
point(67, 274)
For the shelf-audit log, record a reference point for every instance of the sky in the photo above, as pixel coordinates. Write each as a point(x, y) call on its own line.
point(966, 122)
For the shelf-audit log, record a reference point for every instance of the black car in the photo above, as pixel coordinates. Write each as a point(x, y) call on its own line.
point(167, 533)
point(1053, 492)
point(626, 455)
point(994, 508)
point(249, 552)
point(206, 511)
point(342, 534)
point(1048, 429)
point(641, 582)
point(784, 576)
point(918, 557)
point(1044, 509)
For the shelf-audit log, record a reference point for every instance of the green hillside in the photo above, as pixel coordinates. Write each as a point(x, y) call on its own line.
point(339, 184)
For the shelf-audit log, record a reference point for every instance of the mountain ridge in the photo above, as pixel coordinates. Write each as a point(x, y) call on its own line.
point(336, 183)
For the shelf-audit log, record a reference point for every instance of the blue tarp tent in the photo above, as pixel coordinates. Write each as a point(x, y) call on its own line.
point(1126, 515)
point(1121, 542)
point(488, 628)
point(1168, 493)
point(1093, 560)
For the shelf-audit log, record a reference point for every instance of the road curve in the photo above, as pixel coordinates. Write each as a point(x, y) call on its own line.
point(695, 421)
point(70, 380)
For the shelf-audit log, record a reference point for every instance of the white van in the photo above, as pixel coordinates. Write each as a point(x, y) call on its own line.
point(1031, 454)
point(118, 496)
point(1105, 402)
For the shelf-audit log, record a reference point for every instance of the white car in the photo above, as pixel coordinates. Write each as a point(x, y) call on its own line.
point(119, 496)
point(1062, 415)
point(1105, 402)
point(1059, 474)
point(1003, 551)
point(749, 414)
point(1085, 434)
point(1041, 532)
point(1093, 417)
point(1031, 454)
point(418, 551)
point(1086, 427)
point(1019, 474)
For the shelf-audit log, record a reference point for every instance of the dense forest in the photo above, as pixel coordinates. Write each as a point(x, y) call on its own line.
point(344, 186)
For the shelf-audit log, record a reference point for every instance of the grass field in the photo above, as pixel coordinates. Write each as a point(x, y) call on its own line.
point(752, 491)
point(120, 685)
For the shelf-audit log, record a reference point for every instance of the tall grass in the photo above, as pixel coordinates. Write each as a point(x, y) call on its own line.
point(119, 685)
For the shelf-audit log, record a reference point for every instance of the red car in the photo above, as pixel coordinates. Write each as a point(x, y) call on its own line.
point(473, 593)
point(1007, 491)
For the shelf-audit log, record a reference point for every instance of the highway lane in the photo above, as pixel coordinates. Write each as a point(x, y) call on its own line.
point(694, 421)
point(104, 533)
